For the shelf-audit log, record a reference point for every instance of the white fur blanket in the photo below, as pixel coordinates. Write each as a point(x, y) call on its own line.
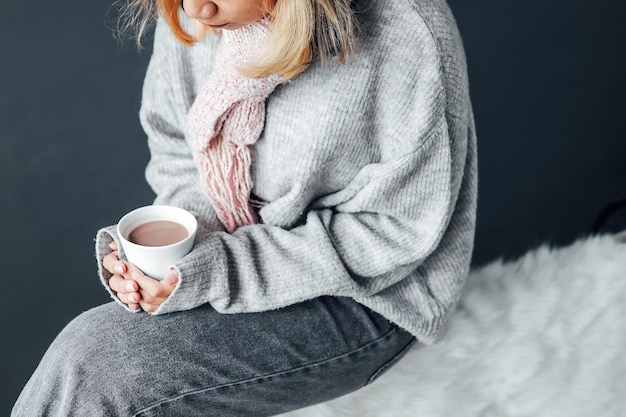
point(543, 336)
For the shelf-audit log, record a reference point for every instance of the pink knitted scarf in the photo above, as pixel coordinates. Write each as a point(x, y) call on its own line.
point(226, 118)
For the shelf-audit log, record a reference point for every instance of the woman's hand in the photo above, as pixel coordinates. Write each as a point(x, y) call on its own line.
point(134, 288)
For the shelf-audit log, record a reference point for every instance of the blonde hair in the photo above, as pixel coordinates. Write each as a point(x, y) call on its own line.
point(301, 30)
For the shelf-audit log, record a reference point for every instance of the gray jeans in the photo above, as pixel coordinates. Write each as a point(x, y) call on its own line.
point(109, 362)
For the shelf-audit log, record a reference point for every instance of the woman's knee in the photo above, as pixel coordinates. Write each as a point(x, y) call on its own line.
point(75, 376)
point(87, 335)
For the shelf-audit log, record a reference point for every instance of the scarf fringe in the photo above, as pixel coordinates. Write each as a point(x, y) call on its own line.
point(226, 169)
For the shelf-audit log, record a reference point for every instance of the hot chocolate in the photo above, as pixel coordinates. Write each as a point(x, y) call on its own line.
point(158, 233)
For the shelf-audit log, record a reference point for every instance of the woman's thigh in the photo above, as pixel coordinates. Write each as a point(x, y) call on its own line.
point(109, 362)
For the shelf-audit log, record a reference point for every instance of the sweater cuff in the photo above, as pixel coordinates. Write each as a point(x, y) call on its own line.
point(104, 237)
point(198, 279)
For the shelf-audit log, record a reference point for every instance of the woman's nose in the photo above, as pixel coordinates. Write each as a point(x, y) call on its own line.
point(199, 9)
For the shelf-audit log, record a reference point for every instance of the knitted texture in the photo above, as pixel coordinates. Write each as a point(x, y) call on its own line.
point(367, 170)
point(227, 116)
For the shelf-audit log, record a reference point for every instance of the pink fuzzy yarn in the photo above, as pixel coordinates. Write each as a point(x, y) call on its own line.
point(227, 116)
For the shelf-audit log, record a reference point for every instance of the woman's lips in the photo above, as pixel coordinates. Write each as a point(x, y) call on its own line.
point(216, 26)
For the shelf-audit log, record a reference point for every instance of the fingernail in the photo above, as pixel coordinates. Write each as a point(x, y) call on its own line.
point(130, 287)
point(119, 267)
point(132, 298)
point(171, 279)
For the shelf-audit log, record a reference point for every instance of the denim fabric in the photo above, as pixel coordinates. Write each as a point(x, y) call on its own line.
point(109, 362)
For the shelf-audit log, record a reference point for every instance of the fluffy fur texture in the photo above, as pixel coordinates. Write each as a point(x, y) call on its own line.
point(540, 336)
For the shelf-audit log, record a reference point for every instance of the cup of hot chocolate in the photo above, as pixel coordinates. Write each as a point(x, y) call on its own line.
point(154, 237)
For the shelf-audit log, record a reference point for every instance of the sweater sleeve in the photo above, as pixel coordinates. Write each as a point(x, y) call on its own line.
point(394, 219)
point(104, 237)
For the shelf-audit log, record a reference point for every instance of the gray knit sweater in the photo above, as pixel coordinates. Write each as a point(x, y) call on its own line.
point(368, 171)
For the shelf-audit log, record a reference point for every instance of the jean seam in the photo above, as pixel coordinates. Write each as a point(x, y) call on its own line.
point(391, 362)
point(354, 352)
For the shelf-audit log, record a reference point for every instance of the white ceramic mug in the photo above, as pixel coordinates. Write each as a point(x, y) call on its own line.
point(156, 261)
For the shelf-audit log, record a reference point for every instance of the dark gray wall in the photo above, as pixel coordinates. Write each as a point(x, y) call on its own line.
point(548, 91)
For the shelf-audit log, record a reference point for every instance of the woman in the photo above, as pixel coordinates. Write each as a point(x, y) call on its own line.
point(328, 149)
